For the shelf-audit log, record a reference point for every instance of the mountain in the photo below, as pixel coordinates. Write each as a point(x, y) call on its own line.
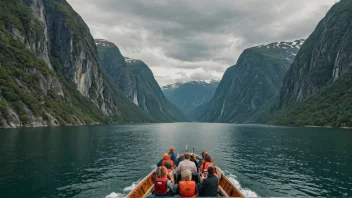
point(247, 86)
point(137, 83)
point(316, 89)
point(189, 95)
point(49, 70)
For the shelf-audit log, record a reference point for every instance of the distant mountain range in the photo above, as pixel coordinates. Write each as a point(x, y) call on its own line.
point(52, 72)
point(188, 95)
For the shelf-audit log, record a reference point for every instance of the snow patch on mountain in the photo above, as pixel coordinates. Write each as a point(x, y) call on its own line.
point(103, 42)
point(284, 45)
point(176, 85)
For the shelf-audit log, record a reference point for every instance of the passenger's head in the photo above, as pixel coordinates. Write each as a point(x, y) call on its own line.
point(166, 156)
point(206, 154)
point(210, 170)
point(172, 149)
point(203, 154)
point(186, 175)
point(187, 156)
point(168, 165)
point(162, 171)
point(208, 158)
point(194, 156)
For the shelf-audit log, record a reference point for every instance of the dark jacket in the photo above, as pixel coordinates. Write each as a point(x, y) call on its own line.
point(174, 157)
point(209, 187)
point(160, 162)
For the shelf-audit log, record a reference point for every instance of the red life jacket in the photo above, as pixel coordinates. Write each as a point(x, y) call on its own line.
point(187, 188)
point(160, 186)
point(205, 168)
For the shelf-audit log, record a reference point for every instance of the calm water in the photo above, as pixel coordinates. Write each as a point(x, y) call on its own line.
point(97, 161)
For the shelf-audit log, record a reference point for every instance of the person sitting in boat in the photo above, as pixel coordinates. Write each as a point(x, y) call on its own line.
point(194, 160)
point(202, 161)
point(166, 158)
point(162, 185)
point(173, 156)
point(170, 173)
point(209, 186)
point(187, 187)
point(186, 164)
point(204, 168)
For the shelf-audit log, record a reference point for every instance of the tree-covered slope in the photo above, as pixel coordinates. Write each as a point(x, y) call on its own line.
point(190, 95)
point(137, 82)
point(331, 106)
point(255, 79)
point(49, 74)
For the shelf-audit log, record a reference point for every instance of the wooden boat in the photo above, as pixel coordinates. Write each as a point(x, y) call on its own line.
point(146, 186)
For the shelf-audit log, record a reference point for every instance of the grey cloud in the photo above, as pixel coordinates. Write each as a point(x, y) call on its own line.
point(195, 34)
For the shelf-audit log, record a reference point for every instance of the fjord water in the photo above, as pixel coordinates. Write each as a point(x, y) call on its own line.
point(96, 161)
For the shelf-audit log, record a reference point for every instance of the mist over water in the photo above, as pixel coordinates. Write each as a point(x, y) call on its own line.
point(106, 160)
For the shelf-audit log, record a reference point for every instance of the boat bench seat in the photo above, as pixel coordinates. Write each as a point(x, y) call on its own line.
point(195, 177)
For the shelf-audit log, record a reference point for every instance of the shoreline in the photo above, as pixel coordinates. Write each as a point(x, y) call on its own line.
point(98, 123)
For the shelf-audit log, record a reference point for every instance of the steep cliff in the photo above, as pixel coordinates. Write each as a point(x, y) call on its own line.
point(255, 79)
point(49, 71)
point(325, 57)
point(137, 82)
point(190, 95)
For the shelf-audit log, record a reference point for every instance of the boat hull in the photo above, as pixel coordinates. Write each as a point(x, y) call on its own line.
point(146, 186)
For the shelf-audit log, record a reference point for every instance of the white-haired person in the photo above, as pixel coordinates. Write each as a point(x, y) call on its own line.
point(187, 187)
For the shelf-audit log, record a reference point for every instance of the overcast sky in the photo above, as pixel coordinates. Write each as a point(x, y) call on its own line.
point(183, 40)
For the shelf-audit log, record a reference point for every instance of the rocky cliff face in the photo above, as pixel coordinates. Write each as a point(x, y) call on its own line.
point(137, 82)
point(316, 89)
point(190, 95)
point(49, 69)
point(245, 87)
point(325, 56)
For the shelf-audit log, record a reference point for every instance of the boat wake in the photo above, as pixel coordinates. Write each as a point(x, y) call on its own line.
point(125, 191)
point(115, 195)
point(245, 191)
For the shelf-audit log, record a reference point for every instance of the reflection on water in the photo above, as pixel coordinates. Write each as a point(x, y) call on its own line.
point(94, 161)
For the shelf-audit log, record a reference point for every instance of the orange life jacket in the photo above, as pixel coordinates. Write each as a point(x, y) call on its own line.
point(160, 186)
point(204, 169)
point(187, 188)
point(170, 161)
